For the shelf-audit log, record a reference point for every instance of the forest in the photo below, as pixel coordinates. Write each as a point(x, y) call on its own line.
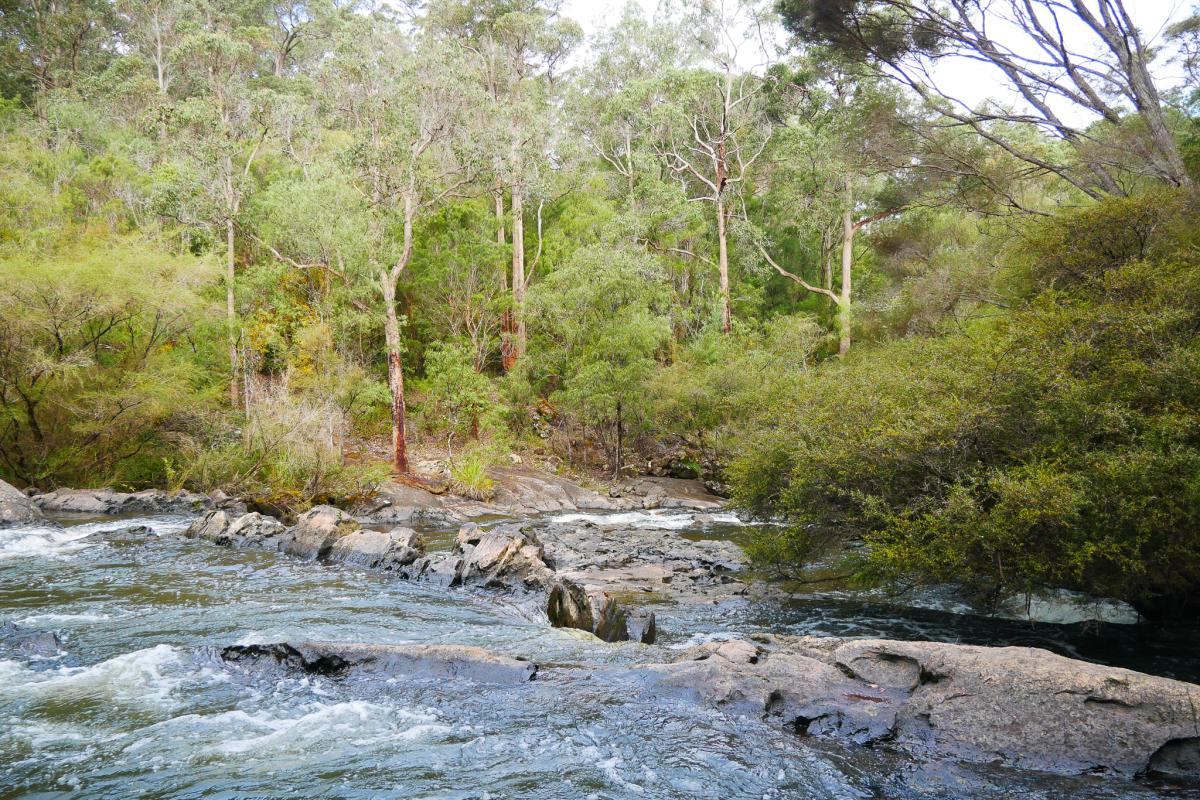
point(290, 249)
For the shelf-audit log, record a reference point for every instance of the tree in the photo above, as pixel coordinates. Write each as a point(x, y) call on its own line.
point(1033, 44)
point(715, 130)
point(408, 100)
point(50, 44)
point(601, 320)
point(517, 46)
point(226, 120)
point(844, 156)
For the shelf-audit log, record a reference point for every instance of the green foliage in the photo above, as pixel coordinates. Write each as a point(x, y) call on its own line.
point(457, 401)
point(468, 476)
point(95, 361)
point(600, 324)
point(1057, 446)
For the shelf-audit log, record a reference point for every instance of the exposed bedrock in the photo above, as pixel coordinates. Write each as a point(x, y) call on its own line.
point(106, 501)
point(508, 558)
point(413, 661)
point(1021, 706)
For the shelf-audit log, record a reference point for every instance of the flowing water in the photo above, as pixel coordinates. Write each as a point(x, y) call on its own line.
point(137, 705)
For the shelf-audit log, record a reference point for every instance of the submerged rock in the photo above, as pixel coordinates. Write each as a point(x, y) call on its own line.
point(16, 508)
point(591, 609)
point(1021, 706)
point(1065, 607)
point(19, 641)
point(436, 662)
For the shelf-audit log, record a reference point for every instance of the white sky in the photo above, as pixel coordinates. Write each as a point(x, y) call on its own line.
point(969, 81)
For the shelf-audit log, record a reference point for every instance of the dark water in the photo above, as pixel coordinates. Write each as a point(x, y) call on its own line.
point(136, 708)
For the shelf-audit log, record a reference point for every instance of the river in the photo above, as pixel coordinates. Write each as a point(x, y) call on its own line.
point(138, 706)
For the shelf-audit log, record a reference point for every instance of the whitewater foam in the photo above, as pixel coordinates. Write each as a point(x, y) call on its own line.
point(48, 541)
point(654, 519)
point(141, 678)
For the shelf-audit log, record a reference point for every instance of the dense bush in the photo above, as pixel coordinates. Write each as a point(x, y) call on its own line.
point(1058, 446)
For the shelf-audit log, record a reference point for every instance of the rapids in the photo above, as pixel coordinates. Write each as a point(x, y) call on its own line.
point(136, 704)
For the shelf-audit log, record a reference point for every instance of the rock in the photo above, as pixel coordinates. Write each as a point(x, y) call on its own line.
point(27, 642)
point(1024, 707)
point(588, 608)
point(521, 492)
point(106, 501)
point(429, 662)
point(16, 508)
point(660, 563)
point(641, 626)
point(508, 556)
point(390, 551)
point(247, 530)
point(211, 526)
point(648, 492)
point(314, 534)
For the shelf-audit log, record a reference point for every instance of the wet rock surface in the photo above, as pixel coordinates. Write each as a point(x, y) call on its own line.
point(588, 608)
point(22, 642)
point(1023, 707)
point(418, 662)
point(383, 550)
point(16, 508)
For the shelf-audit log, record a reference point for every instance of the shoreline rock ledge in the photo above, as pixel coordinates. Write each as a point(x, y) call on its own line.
point(1020, 706)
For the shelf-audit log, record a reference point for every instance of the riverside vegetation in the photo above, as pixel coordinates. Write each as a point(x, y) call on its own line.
point(271, 247)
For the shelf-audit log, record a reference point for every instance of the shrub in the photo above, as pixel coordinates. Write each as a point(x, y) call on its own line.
point(1056, 447)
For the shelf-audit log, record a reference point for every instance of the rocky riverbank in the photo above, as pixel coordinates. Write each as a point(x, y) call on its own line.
point(605, 573)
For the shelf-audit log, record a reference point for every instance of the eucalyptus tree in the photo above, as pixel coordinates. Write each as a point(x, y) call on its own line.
point(518, 48)
point(844, 159)
point(51, 44)
point(714, 127)
point(408, 99)
point(1084, 55)
point(223, 118)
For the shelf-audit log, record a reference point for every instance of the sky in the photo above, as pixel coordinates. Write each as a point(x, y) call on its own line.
point(968, 81)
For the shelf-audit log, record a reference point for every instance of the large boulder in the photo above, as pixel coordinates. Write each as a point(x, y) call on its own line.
point(390, 551)
point(231, 530)
point(588, 608)
point(1021, 706)
point(430, 662)
point(316, 531)
point(16, 508)
point(657, 563)
point(506, 557)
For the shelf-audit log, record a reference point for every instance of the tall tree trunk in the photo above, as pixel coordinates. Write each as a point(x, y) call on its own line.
point(844, 312)
point(388, 281)
point(231, 314)
point(518, 273)
point(723, 268)
point(391, 330)
point(506, 327)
